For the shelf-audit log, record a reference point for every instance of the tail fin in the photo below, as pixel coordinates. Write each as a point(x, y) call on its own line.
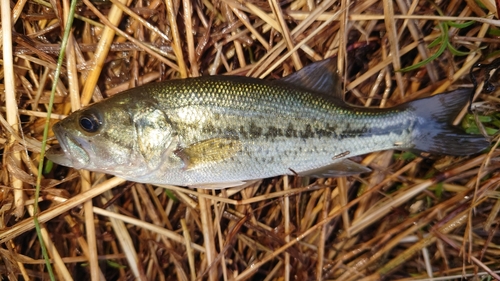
point(434, 132)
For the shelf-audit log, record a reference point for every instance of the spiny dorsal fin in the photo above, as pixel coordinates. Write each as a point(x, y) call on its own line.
point(321, 77)
point(209, 151)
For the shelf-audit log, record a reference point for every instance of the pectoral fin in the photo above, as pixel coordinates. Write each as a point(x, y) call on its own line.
point(338, 169)
point(209, 151)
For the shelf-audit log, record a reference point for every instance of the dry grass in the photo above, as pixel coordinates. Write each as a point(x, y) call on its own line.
point(410, 219)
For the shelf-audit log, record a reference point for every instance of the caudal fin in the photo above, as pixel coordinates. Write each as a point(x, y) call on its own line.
point(435, 133)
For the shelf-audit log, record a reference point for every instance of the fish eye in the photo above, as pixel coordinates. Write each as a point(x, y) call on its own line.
point(90, 123)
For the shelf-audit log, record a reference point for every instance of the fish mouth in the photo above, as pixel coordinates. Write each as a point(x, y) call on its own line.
point(57, 155)
point(69, 152)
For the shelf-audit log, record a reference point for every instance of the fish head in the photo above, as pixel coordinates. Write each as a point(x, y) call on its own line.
point(124, 139)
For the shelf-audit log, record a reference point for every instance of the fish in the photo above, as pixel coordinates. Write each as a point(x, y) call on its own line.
point(224, 131)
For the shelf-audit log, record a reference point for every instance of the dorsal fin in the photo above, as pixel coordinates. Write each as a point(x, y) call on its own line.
point(321, 77)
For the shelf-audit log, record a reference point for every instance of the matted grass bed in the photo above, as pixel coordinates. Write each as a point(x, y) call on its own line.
point(414, 217)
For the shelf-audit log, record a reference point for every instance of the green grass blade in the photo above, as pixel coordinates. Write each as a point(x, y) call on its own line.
point(441, 49)
point(460, 25)
point(456, 52)
point(436, 42)
point(57, 72)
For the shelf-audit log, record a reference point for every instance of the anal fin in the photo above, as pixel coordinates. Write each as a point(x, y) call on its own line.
point(341, 168)
point(220, 185)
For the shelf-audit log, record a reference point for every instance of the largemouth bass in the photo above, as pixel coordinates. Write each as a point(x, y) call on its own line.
point(220, 131)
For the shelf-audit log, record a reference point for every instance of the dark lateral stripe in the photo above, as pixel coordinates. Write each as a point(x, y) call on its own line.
point(253, 131)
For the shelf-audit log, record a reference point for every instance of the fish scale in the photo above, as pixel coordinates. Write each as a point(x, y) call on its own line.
point(220, 131)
